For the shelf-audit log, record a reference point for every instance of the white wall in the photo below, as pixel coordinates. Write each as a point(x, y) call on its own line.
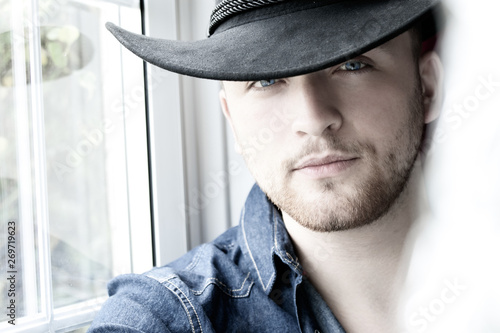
point(454, 273)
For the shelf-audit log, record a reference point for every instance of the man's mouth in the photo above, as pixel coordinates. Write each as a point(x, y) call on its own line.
point(325, 166)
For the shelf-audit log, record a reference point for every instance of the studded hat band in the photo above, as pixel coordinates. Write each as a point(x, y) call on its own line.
point(227, 8)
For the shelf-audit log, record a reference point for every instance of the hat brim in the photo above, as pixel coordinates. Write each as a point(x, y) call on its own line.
point(287, 45)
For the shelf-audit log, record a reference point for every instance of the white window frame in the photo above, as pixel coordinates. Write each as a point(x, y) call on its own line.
point(195, 197)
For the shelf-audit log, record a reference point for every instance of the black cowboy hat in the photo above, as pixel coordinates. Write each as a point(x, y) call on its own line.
point(264, 39)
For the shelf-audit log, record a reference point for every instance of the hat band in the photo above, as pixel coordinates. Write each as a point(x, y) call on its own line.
point(245, 11)
point(229, 8)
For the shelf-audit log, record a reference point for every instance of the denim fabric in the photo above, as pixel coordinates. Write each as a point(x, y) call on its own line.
point(247, 280)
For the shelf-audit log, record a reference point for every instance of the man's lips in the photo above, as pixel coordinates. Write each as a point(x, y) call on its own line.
point(321, 161)
point(323, 167)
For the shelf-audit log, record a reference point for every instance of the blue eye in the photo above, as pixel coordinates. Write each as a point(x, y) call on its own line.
point(352, 66)
point(266, 83)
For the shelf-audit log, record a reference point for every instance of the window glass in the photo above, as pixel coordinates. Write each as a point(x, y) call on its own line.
point(76, 151)
point(64, 169)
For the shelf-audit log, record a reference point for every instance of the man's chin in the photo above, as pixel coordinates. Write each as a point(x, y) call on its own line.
point(334, 220)
point(329, 206)
point(325, 210)
point(312, 192)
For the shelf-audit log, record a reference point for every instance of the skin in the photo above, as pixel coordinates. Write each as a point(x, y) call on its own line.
point(335, 150)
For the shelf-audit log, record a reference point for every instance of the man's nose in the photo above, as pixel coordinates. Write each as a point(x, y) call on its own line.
point(315, 108)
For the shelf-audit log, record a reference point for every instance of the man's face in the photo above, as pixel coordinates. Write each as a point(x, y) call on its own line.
point(334, 148)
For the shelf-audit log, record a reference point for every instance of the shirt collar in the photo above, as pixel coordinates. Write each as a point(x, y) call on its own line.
point(265, 237)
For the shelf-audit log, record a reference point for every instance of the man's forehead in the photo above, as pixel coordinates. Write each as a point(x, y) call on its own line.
point(395, 45)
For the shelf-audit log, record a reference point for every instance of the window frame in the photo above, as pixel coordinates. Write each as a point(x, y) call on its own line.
point(165, 186)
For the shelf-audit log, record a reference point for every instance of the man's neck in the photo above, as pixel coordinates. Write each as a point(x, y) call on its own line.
point(359, 272)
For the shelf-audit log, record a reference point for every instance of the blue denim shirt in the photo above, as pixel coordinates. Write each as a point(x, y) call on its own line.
point(247, 280)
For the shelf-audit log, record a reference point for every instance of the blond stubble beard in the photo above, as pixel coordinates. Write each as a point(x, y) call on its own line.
point(364, 202)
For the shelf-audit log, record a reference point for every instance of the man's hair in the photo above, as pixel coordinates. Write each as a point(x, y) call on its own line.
point(416, 38)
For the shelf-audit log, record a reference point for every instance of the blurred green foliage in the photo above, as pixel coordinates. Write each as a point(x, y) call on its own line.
point(63, 50)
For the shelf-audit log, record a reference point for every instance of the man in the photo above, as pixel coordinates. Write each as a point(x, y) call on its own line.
point(320, 241)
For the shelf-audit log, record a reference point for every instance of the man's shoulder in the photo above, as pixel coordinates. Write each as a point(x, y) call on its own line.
point(221, 286)
point(218, 264)
point(182, 296)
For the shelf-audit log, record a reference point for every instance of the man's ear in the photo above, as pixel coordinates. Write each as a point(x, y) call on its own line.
point(431, 77)
point(227, 114)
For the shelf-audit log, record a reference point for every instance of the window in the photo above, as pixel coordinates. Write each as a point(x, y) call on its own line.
point(74, 188)
point(93, 185)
